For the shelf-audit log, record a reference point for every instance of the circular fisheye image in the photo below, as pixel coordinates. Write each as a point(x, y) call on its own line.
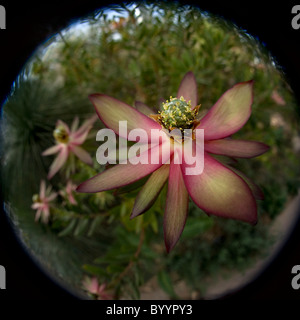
point(151, 152)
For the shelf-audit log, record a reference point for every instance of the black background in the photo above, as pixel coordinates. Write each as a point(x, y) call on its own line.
point(30, 23)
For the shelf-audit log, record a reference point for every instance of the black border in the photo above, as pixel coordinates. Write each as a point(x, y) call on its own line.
point(30, 23)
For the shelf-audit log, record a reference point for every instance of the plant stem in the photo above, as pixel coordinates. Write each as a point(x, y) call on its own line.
point(132, 262)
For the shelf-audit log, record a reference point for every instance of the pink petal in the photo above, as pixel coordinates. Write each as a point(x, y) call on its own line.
point(45, 215)
point(52, 196)
point(69, 190)
point(221, 192)
point(42, 189)
point(236, 148)
point(72, 199)
point(87, 124)
point(102, 288)
point(140, 106)
point(38, 215)
point(75, 124)
point(256, 191)
point(188, 89)
point(58, 162)
point(150, 191)
point(278, 98)
point(91, 285)
point(123, 174)
point(61, 123)
point(230, 112)
point(36, 205)
point(82, 155)
point(52, 150)
point(77, 139)
point(176, 207)
point(79, 136)
point(69, 187)
point(111, 111)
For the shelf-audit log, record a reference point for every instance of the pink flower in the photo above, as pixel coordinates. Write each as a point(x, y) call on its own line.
point(91, 285)
point(68, 140)
point(276, 97)
point(219, 190)
point(41, 202)
point(68, 192)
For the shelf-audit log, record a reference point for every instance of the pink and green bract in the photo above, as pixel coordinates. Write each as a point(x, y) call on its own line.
point(219, 190)
point(42, 203)
point(92, 286)
point(69, 141)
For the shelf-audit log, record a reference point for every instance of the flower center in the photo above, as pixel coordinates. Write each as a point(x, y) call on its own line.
point(61, 135)
point(178, 113)
point(36, 198)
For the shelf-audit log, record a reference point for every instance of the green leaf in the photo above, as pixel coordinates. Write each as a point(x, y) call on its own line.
point(195, 226)
point(94, 225)
point(81, 227)
point(94, 270)
point(154, 224)
point(166, 284)
point(134, 290)
point(114, 269)
point(68, 229)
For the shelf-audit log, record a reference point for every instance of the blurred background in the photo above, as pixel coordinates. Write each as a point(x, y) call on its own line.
point(141, 53)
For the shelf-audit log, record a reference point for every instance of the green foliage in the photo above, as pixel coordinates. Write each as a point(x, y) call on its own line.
point(141, 52)
point(166, 283)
